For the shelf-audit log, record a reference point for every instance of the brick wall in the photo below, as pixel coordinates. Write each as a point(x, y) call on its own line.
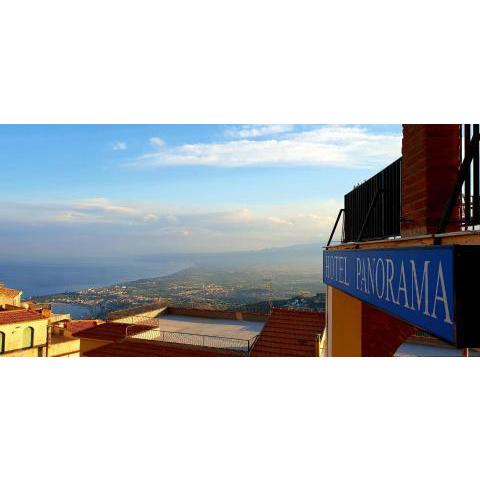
point(382, 334)
point(431, 157)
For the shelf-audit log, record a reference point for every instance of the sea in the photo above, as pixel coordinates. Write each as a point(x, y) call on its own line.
point(76, 310)
point(39, 277)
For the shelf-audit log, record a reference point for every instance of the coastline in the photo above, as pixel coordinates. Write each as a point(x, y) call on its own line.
point(77, 311)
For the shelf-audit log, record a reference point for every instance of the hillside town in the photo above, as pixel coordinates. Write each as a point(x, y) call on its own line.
point(31, 329)
point(205, 288)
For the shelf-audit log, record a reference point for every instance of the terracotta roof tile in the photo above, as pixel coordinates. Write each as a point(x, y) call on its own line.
point(290, 333)
point(111, 331)
point(15, 316)
point(287, 333)
point(75, 326)
point(141, 348)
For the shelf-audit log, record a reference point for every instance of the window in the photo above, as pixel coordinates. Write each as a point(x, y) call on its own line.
point(27, 338)
point(2, 342)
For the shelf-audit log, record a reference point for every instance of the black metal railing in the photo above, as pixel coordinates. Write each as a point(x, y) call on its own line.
point(199, 340)
point(466, 191)
point(372, 210)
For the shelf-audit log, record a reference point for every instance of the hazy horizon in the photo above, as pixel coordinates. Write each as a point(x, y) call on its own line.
point(55, 274)
point(101, 191)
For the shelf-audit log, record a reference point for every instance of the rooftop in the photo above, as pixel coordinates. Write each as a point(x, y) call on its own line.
point(9, 292)
point(211, 331)
point(225, 329)
point(20, 315)
point(286, 333)
point(218, 327)
point(141, 348)
point(290, 333)
point(75, 326)
point(111, 331)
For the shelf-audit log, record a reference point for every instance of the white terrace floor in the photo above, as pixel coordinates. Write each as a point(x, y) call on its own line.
point(241, 330)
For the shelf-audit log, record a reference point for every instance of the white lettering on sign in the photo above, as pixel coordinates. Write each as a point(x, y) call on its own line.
point(402, 283)
point(335, 268)
point(443, 297)
point(423, 295)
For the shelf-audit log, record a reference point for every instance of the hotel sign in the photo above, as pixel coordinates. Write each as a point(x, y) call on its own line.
point(432, 288)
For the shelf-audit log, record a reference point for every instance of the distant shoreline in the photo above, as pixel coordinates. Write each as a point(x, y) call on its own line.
point(77, 311)
point(37, 279)
point(46, 296)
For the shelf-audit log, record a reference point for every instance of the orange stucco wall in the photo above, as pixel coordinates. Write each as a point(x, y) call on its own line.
point(345, 328)
point(87, 344)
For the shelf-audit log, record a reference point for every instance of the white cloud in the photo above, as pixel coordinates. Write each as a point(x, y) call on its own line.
point(119, 146)
point(157, 142)
point(143, 228)
point(85, 211)
point(70, 216)
point(280, 221)
point(100, 205)
point(251, 131)
point(150, 217)
point(332, 145)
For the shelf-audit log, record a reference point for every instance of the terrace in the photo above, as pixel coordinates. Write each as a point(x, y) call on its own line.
point(208, 329)
point(226, 333)
point(286, 333)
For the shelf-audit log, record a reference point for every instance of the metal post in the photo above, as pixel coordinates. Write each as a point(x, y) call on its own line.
point(342, 210)
point(369, 212)
point(468, 189)
point(462, 173)
point(476, 175)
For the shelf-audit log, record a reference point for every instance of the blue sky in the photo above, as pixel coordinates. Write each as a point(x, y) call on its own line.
point(133, 189)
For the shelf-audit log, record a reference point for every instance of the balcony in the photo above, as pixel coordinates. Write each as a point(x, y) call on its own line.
point(373, 210)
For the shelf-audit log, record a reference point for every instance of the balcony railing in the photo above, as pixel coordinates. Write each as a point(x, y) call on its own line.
point(210, 341)
point(466, 191)
point(372, 210)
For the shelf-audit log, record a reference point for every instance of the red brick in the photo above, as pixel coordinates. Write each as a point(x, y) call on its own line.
point(382, 333)
point(429, 169)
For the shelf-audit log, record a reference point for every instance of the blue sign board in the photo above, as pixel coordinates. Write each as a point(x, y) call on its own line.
point(413, 284)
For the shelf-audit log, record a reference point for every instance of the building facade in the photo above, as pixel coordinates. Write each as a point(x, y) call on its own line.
point(9, 296)
point(28, 329)
point(404, 267)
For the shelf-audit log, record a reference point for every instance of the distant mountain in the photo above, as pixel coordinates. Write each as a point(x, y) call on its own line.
point(296, 257)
